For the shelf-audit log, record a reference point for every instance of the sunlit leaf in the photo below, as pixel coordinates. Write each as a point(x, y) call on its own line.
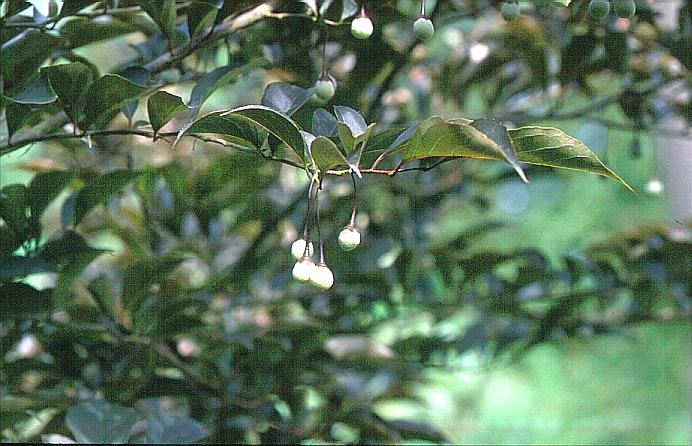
point(98, 421)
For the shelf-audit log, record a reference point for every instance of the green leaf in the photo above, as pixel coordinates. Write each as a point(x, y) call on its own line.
point(201, 15)
point(73, 6)
point(18, 266)
point(24, 54)
point(13, 207)
point(45, 187)
point(19, 300)
point(164, 14)
point(353, 119)
point(211, 81)
point(547, 146)
point(173, 429)
point(326, 154)
point(100, 189)
point(162, 107)
point(498, 133)
point(236, 129)
point(9, 242)
point(105, 97)
point(286, 98)
point(140, 276)
point(98, 421)
point(71, 82)
point(82, 31)
point(278, 124)
point(38, 92)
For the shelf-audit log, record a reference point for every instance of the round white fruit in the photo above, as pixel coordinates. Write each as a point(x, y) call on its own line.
point(298, 249)
point(321, 276)
point(302, 270)
point(361, 27)
point(349, 238)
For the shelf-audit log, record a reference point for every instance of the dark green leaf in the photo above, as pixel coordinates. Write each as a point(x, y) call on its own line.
point(14, 7)
point(163, 13)
point(9, 242)
point(383, 140)
point(82, 31)
point(286, 98)
point(98, 421)
point(173, 429)
point(72, 6)
point(71, 82)
point(162, 107)
point(547, 146)
point(45, 187)
point(326, 154)
point(140, 276)
point(100, 189)
point(105, 97)
point(201, 15)
point(37, 92)
point(13, 207)
point(278, 124)
point(18, 266)
point(24, 54)
point(19, 300)
point(137, 75)
point(236, 129)
point(210, 82)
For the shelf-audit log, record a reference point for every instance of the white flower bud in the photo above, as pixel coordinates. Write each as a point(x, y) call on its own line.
point(654, 186)
point(361, 27)
point(298, 249)
point(28, 346)
point(302, 270)
point(349, 238)
point(321, 276)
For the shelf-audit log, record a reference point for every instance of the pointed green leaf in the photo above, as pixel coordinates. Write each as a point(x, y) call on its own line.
point(98, 421)
point(19, 300)
point(105, 97)
point(100, 189)
point(81, 31)
point(23, 54)
point(211, 81)
point(350, 117)
point(163, 13)
point(326, 154)
point(13, 267)
point(13, 207)
point(70, 82)
point(201, 15)
point(162, 107)
point(324, 123)
point(278, 124)
point(547, 146)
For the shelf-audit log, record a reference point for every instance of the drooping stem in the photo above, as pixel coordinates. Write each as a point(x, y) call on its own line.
point(422, 8)
point(355, 201)
point(308, 214)
point(319, 229)
point(324, 54)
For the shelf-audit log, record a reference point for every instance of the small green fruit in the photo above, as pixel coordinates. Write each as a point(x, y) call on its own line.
point(325, 89)
point(510, 11)
point(321, 276)
point(302, 270)
point(624, 8)
point(423, 28)
point(298, 249)
point(349, 238)
point(598, 9)
point(361, 27)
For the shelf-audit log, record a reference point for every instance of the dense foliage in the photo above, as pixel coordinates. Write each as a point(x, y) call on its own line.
point(146, 288)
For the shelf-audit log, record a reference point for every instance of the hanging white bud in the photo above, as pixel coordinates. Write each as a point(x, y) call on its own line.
point(321, 276)
point(298, 249)
point(654, 186)
point(302, 270)
point(349, 238)
point(361, 27)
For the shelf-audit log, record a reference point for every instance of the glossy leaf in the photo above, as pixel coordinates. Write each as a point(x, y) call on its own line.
point(324, 123)
point(162, 107)
point(173, 429)
point(23, 54)
point(18, 266)
point(201, 15)
point(278, 124)
point(326, 154)
point(350, 117)
point(81, 31)
point(100, 189)
point(547, 146)
point(498, 134)
point(70, 82)
point(13, 207)
point(105, 97)
point(236, 129)
point(98, 421)
point(286, 98)
point(37, 92)
point(163, 13)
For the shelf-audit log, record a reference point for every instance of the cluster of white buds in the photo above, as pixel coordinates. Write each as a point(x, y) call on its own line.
point(306, 270)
